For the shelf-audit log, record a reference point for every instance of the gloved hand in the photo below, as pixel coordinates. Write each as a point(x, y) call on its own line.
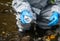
point(53, 19)
point(26, 17)
point(59, 15)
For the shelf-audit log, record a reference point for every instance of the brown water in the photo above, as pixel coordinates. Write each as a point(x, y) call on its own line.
point(8, 29)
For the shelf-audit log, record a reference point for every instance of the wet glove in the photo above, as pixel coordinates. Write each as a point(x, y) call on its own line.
point(26, 17)
point(53, 19)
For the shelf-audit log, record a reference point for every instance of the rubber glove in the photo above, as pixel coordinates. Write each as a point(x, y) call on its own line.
point(53, 19)
point(59, 15)
point(26, 17)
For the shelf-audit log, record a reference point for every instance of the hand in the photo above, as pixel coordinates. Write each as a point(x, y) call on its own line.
point(26, 17)
point(53, 19)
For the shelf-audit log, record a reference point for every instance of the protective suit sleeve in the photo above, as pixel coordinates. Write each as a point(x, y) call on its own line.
point(56, 7)
point(20, 5)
